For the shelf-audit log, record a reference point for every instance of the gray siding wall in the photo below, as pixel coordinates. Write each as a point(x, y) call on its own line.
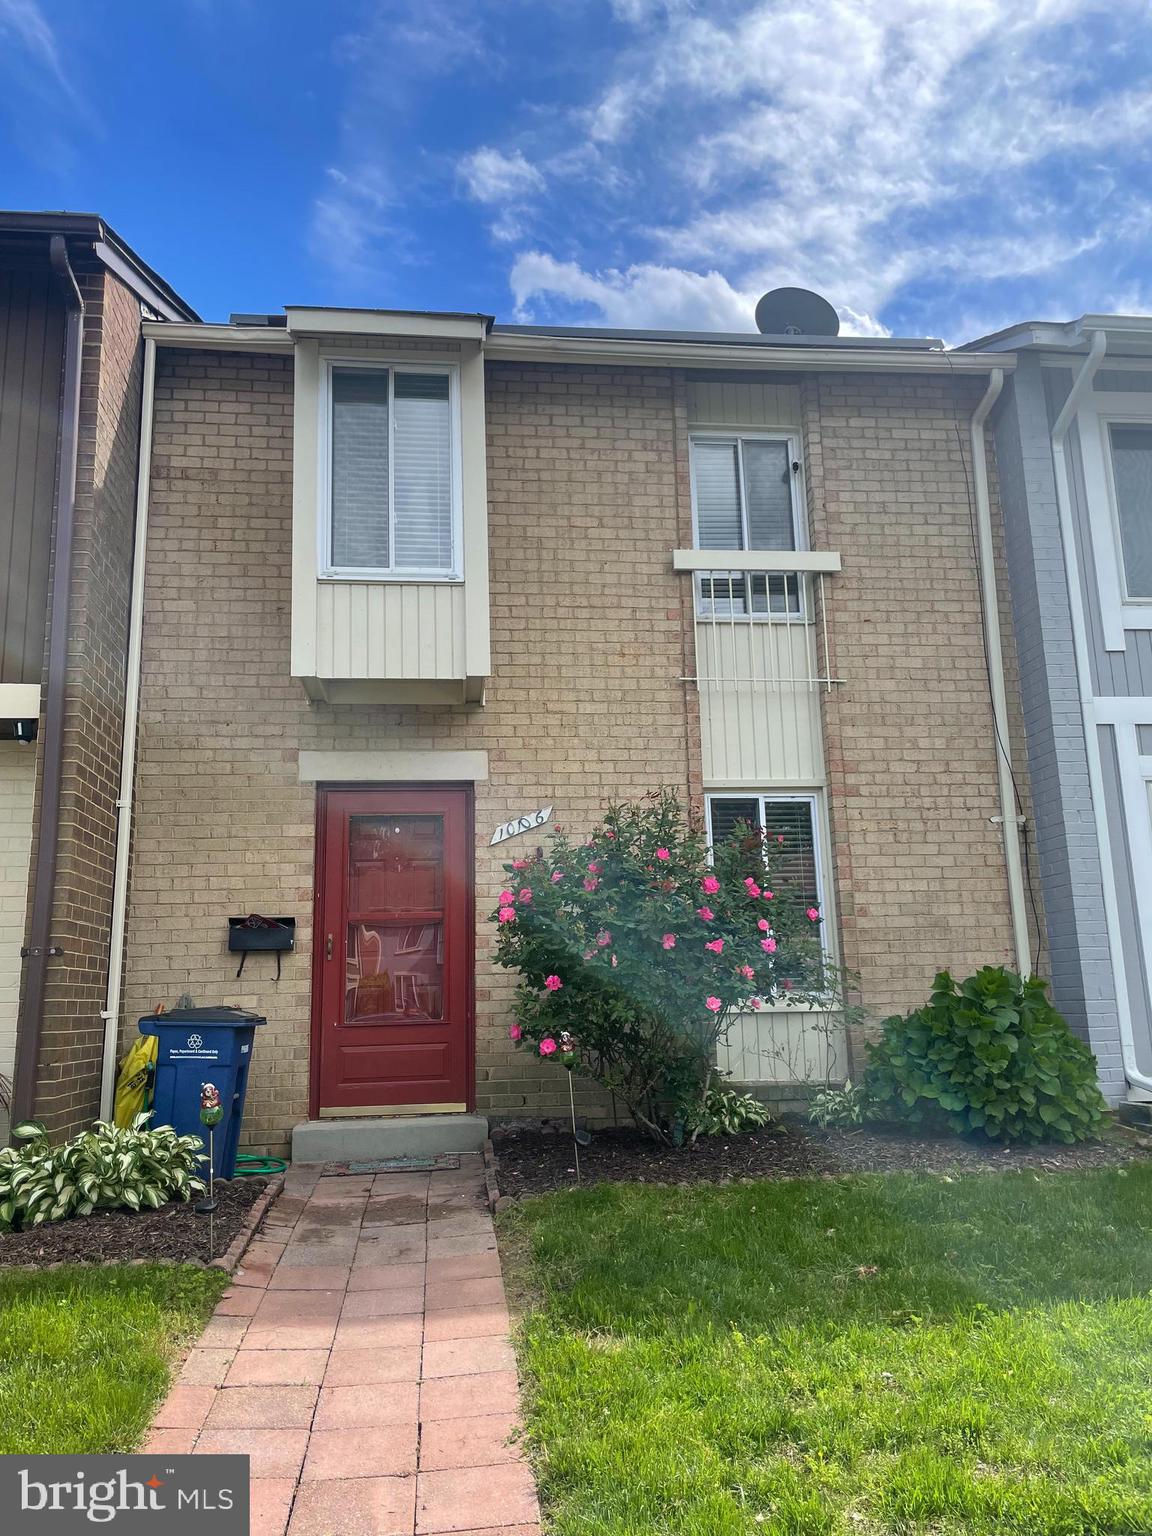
point(31, 354)
point(1062, 841)
point(1135, 968)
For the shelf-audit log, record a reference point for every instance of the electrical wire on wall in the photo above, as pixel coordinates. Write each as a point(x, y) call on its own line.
point(1001, 745)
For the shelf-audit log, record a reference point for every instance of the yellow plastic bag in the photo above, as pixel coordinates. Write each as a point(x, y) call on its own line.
point(132, 1084)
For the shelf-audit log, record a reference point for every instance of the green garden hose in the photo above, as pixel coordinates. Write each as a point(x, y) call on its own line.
point(250, 1165)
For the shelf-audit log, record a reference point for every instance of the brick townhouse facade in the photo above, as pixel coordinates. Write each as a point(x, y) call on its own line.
point(73, 298)
point(593, 664)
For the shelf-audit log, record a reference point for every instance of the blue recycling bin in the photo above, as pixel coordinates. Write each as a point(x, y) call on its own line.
point(198, 1046)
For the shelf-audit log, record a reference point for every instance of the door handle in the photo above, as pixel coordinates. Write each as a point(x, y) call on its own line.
point(328, 948)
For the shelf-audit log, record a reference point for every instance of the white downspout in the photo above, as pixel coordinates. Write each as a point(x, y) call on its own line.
point(111, 1013)
point(1080, 386)
point(990, 602)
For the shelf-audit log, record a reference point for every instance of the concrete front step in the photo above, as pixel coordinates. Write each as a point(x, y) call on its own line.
point(356, 1140)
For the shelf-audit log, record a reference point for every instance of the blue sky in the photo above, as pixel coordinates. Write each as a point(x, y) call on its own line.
point(939, 167)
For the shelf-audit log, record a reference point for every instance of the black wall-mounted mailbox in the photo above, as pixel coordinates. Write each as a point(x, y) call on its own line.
point(268, 935)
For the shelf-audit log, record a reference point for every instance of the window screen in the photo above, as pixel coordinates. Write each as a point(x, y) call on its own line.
point(392, 501)
point(1132, 469)
point(743, 494)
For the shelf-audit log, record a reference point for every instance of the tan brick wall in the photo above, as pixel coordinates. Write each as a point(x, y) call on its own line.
point(68, 1088)
point(919, 861)
point(585, 703)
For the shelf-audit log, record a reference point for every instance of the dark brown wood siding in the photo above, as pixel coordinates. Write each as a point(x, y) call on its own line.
point(31, 352)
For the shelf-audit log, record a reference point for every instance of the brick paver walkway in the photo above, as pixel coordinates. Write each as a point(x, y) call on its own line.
point(362, 1360)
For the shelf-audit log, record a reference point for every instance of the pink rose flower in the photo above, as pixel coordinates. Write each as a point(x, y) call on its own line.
point(519, 863)
point(594, 868)
point(662, 853)
point(713, 1004)
point(706, 913)
point(768, 946)
point(525, 895)
point(553, 983)
point(764, 925)
point(613, 962)
point(548, 1047)
point(557, 877)
point(514, 1032)
point(747, 972)
point(669, 941)
point(786, 984)
point(709, 885)
point(608, 832)
point(767, 895)
point(813, 914)
point(506, 898)
point(506, 915)
point(716, 946)
point(603, 938)
point(591, 883)
point(751, 887)
point(779, 837)
point(756, 1002)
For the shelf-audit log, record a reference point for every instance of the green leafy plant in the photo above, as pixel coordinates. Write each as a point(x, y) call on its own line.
point(988, 1054)
point(106, 1168)
point(636, 948)
point(844, 1108)
point(724, 1112)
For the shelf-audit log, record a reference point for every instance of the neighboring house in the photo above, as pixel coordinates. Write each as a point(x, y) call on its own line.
point(411, 576)
point(72, 298)
point(1074, 444)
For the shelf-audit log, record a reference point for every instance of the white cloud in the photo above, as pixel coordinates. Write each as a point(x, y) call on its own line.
point(491, 176)
point(25, 23)
point(861, 147)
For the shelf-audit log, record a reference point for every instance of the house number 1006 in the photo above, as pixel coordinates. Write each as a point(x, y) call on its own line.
point(521, 824)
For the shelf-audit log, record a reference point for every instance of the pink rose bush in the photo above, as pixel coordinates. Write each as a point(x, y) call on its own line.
point(611, 984)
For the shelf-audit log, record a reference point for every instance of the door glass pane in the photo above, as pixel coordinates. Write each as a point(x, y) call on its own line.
point(395, 864)
point(1132, 467)
point(360, 468)
point(395, 971)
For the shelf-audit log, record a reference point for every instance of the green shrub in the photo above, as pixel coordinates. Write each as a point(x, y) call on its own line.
point(990, 1054)
point(106, 1168)
point(724, 1112)
point(843, 1108)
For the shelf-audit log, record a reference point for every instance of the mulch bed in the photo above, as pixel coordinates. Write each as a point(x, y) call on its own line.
point(532, 1162)
point(174, 1234)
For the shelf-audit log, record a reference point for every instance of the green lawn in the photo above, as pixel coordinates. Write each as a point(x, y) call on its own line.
point(85, 1354)
point(859, 1355)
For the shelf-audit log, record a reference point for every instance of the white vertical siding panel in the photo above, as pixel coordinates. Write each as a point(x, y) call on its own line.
point(743, 404)
point(788, 1046)
point(390, 630)
point(759, 709)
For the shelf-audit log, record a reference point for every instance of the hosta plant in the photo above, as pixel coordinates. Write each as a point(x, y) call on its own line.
point(636, 948)
point(725, 1112)
point(845, 1108)
point(991, 1055)
point(106, 1168)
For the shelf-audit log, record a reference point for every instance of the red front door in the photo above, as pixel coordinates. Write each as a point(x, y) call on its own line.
point(394, 950)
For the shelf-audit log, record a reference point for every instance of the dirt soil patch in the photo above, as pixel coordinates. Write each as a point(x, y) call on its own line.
point(531, 1162)
point(174, 1232)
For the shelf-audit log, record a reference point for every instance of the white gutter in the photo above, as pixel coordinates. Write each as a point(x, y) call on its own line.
point(1080, 386)
point(111, 1012)
point(990, 602)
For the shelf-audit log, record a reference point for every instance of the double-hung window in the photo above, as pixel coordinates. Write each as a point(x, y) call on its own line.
point(1131, 448)
point(390, 477)
point(788, 829)
point(744, 497)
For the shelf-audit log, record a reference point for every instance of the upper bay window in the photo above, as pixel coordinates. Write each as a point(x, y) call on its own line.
point(744, 497)
point(390, 481)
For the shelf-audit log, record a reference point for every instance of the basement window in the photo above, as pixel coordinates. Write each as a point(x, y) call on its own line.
point(390, 473)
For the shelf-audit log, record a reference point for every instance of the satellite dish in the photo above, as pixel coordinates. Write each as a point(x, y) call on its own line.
point(796, 312)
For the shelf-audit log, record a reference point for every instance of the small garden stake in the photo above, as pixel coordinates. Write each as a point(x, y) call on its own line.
point(575, 1138)
point(210, 1115)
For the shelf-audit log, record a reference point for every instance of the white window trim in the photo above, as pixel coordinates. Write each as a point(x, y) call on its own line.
point(818, 802)
point(326, 571)
point(1097, 414)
